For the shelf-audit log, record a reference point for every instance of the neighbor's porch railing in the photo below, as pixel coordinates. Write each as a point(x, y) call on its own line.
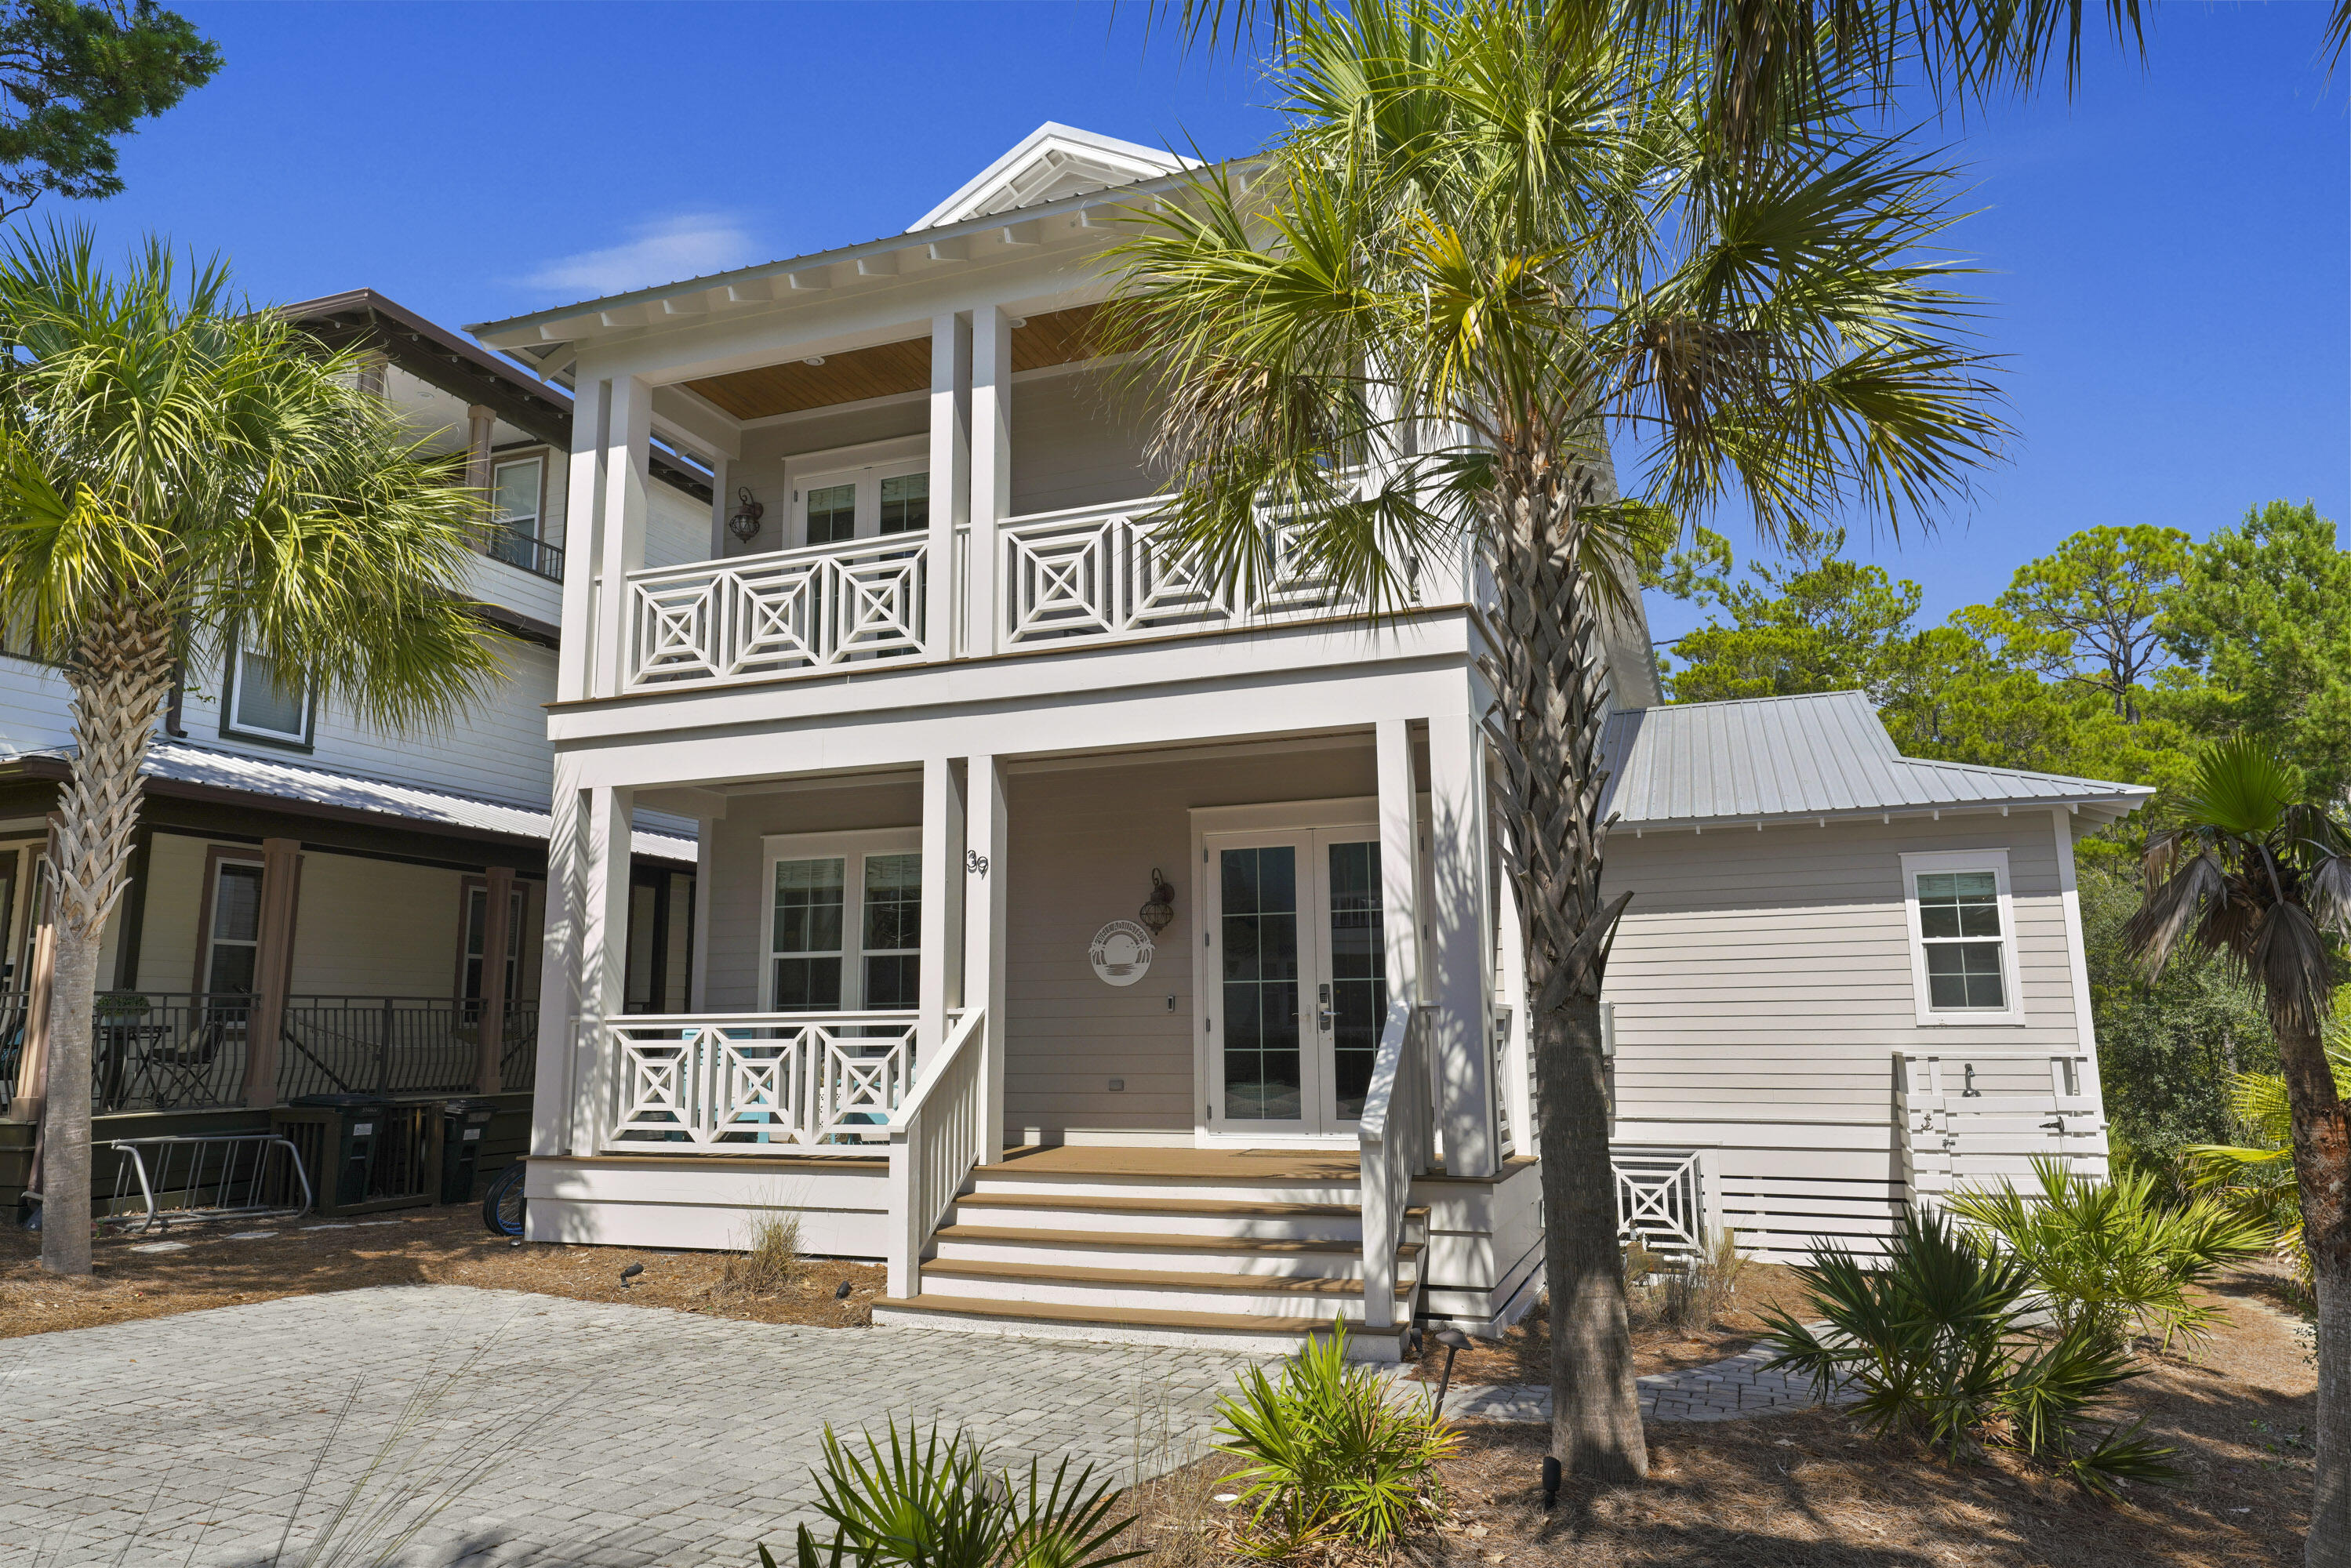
point(376, 1045)
point(791, 612)
point(15, 1012)
point(167, 1051)
point(721, 1081)
point(1397, 1140)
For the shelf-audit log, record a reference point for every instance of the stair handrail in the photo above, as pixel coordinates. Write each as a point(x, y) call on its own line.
point(936, 1136)
point(1394, 1139)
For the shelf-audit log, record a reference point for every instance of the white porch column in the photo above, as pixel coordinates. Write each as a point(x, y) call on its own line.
point(992, 468)
point(939, 976)
point(1462, 951)
point(706, 863)
point(1515, 1094)
point(582, 965)
point(950, 474)
point(984, 934)
point(1402, 904)
point(582, 493)
point(620, 532)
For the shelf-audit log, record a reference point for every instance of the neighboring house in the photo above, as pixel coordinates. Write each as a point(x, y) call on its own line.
point(1110, 958)
point(312, 905)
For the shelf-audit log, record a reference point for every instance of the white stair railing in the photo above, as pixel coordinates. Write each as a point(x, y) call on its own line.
point(936, 1136)
point(789, 612)
point(1397, 1140)
point(722, 1082)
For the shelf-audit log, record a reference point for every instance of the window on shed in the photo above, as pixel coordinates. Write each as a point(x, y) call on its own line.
point(1959, 927)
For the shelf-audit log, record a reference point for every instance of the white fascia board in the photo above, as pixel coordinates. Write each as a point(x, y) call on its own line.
point(803, 727)
point(2110, 808)
point(682, 415)
point(580, 319)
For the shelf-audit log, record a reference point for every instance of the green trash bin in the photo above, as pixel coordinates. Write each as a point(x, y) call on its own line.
point(464, 1124)
point(338, 1137)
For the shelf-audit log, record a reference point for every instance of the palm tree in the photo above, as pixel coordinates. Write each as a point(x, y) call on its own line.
point(171, 465)
point(2256, 1178)
point(2260, 878)
point(1488, 236)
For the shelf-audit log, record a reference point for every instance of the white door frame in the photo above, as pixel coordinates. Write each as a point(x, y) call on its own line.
point(1312, 824)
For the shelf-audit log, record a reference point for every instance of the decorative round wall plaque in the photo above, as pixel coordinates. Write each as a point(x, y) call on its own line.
point(1120, 952)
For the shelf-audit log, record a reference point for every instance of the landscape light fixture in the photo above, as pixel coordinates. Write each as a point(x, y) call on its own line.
point(745, 523)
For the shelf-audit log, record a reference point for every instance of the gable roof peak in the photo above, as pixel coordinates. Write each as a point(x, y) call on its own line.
point(1051, 161)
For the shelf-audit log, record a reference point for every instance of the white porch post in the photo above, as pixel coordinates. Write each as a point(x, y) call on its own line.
point(1462, 986)
point(1515, 1093)
point(992, 468)
point(582, 493)
point(1401, 902)
point(721, 506)
point(939, 973)
point(950, 474)
point(984, 935)
point(621, 534)
point(582, 963)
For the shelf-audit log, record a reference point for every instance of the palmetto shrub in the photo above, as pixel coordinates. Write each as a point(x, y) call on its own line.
point(928, 1501)
point(2108, 1256)
point(1938, 1342)
point(1331, 1451)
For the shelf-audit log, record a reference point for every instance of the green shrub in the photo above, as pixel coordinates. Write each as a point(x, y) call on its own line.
point(1935, 1342)
point(928, 1502)
point(1331, 1451)
point(2108, 1256)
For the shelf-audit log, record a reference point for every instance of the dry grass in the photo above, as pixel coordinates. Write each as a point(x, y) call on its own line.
point(765, 1268)
point(1811, 1489)
point(431, 1246)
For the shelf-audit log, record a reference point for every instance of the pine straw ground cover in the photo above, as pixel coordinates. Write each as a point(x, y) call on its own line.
point(1811, 1489)
point(424, 1247)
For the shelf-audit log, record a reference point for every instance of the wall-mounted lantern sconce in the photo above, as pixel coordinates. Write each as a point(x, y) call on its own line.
point(1157, 915)
point(745, 523)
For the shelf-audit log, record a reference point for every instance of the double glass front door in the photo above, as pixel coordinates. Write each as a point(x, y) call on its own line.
point(1300, 994)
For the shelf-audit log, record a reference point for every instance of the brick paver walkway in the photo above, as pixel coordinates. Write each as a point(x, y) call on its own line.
point(590, 1435)
point(1717, 1391)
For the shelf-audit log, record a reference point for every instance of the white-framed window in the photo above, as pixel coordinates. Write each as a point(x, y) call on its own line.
point(1962, 923)
point(515, 486)
point(261, 703)
point(233, 931)
point(858, 493)
point(843, 921)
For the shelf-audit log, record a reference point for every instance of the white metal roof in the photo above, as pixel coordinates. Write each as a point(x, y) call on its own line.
point(182, 762)
point(1694, 765)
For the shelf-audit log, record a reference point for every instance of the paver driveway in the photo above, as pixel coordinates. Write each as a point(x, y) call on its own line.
point(617, 1436)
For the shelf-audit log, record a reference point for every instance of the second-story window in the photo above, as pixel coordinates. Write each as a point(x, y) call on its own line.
point(831, 513)
point(518, 505)
point(262, 703)
point(905, 503)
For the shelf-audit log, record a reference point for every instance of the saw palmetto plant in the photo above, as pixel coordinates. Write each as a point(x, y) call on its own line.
point(2255, 1177)
point(2261, 876)
point(1492, 240)
point(173, 466)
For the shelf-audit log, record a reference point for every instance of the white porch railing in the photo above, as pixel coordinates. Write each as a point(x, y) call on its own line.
point(1975, 1117)
point(937, 1134)
point(1661, 1199)
point(1397, 1140)
point(723, 1081)
point(1099, 574)
point(795, 611)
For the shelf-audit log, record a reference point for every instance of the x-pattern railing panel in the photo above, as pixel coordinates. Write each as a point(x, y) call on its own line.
point(1101, 574)
point(1661, 1198)
point(793, 612)
point(763, 1078)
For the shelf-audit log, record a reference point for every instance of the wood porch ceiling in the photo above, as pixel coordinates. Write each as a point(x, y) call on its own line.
point(1055, 337)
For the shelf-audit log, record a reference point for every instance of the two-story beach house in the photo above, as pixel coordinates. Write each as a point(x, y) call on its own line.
point(314, 907)
point(1112, 957)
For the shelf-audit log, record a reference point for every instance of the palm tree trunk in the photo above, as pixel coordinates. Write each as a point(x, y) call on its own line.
point(122, 673)
point(1550, 686)
point(2322, 1168)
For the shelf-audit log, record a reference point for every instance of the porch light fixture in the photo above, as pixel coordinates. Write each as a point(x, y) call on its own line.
point(745, 523)
point(1157, 915)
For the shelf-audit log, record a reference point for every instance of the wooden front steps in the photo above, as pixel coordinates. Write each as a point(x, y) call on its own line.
point(1247, 1248)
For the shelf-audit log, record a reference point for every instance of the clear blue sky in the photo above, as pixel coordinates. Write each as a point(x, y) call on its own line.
point(2169, 253)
